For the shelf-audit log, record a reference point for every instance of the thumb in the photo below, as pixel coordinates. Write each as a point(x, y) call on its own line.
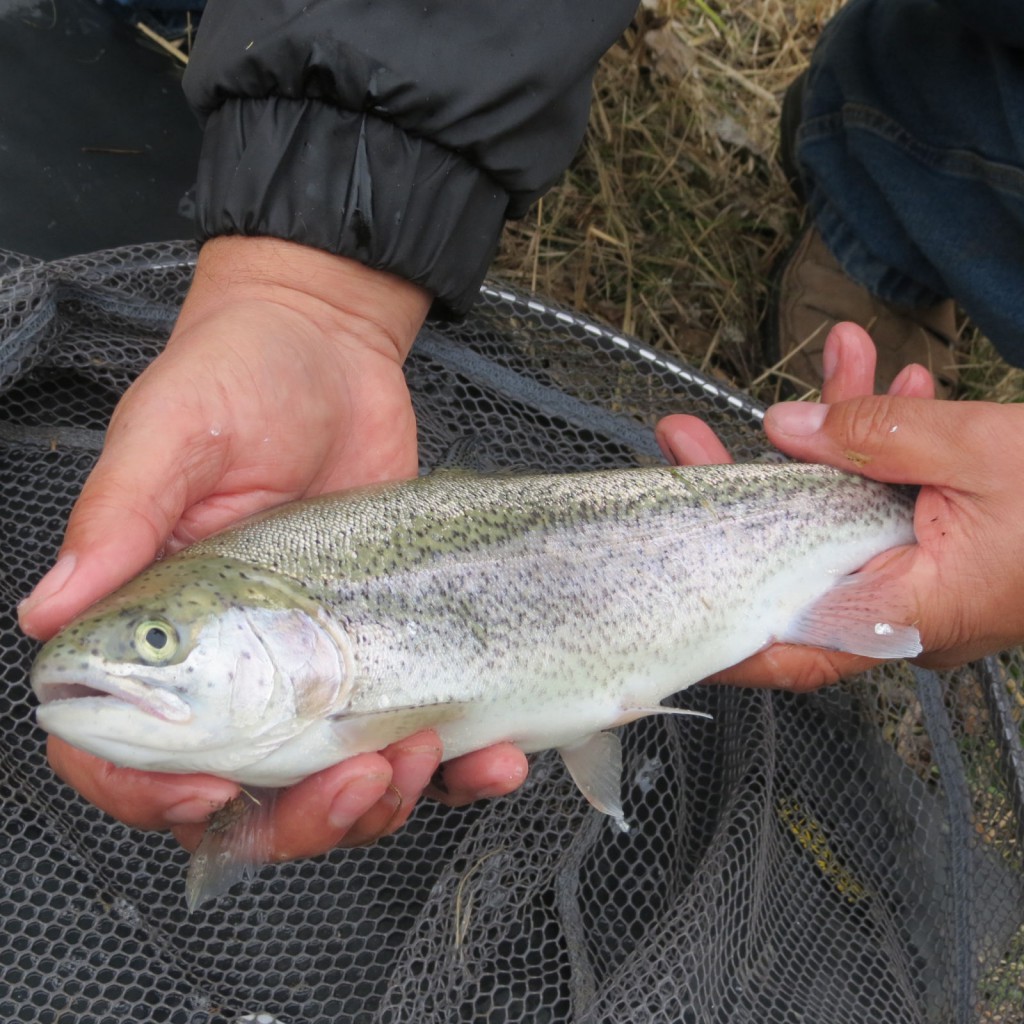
point(893, 439)
point(124, 514)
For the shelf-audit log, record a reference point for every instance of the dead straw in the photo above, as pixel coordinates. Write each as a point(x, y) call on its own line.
point(672, 218)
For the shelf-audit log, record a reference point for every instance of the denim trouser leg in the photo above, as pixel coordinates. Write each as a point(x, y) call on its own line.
point(912, 148)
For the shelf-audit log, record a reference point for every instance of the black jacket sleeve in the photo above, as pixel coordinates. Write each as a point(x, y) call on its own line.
point(401, 133)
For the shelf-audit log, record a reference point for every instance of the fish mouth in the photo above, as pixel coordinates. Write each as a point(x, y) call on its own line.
point(156, 701)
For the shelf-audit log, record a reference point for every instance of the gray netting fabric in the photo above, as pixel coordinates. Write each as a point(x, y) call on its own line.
point(849, 856)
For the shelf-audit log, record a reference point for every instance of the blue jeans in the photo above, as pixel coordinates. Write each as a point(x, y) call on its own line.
point(911, 147)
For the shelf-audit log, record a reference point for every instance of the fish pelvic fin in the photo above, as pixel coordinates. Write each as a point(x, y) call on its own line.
point(595, 764)
point(238, 841)
point(847, 618)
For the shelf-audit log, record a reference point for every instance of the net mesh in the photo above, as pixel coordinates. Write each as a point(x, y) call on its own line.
point(853, 855)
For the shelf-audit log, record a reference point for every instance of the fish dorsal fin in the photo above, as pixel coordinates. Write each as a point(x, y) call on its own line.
point(595, 764)
point(847, 618)
point(237, 842)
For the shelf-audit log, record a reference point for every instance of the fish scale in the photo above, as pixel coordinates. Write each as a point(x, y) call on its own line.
point(541, 610)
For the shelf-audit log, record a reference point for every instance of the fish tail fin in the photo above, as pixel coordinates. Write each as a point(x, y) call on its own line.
point(846, 618)
point(238, 841)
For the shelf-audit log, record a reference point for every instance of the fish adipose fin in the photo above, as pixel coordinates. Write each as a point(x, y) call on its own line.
point(847, 618)
point(238, 841)
point(595, 765)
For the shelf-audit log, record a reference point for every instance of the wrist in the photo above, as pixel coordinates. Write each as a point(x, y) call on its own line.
point(340, 294)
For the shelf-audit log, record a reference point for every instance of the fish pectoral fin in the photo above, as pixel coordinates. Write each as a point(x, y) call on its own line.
point(376, 729)
point(847, 618)
point(237, 842)
point(595, 764)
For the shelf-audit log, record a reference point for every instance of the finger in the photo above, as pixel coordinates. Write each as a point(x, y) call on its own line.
point(689, 441)
point(315, 815)
point(913, 381)
point(106, 543)
point(127, 508)
point(413, 762)
point(320, 812)
point(895, 439)
point(149, 800)
point(849, 363)
point(794, 668)
point(483, 775)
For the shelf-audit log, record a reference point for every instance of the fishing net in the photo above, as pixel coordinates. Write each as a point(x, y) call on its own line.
point(853, 855)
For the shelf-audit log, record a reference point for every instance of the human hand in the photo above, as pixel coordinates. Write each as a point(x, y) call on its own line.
point(282, 378)
point(962, 580)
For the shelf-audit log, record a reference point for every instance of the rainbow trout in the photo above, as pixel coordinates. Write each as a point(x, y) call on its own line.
point(543, 610)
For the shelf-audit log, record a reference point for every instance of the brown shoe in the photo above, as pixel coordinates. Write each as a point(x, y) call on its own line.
point(812, 293)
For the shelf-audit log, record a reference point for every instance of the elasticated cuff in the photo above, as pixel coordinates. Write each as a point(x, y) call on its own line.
point(304, 170)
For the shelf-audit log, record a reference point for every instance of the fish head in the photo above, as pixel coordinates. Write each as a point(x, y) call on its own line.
point(196, 665)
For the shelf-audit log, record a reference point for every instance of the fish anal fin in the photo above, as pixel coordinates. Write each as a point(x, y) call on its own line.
point(631, 714)
point(847, 618)
point(238, 841)
point(595, 764)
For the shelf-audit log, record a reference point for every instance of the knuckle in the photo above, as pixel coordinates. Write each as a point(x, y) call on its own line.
point(863, 427)
point(817, 669)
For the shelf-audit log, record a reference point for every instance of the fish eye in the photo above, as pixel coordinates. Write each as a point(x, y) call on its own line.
point(156, 640)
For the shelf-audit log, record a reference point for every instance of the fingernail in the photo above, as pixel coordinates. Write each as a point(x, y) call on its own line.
point(798, 419)
point(192, 811)
point(902, 380)
point(432, 749)
point(354, 800)
point(830, 355)
point(670, 455)
point(51, 584)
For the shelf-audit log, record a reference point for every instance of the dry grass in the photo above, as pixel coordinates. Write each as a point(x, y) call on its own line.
point(673, 215)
